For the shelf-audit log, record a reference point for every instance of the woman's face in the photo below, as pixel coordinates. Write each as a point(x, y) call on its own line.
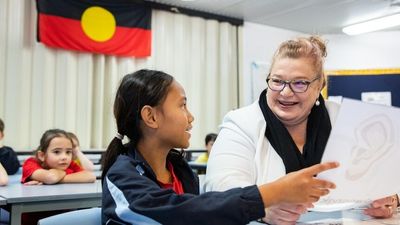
point(293, 108)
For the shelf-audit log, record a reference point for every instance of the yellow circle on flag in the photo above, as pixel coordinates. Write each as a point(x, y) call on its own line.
point(98, 23)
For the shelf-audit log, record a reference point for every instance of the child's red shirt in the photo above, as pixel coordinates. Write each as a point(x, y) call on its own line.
point(32, 164)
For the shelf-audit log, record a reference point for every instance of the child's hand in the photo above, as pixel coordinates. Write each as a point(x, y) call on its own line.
point(33, 182)
point(302, 187)
point(75, 151)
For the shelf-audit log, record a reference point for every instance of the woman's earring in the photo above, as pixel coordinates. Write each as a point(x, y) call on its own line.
point(317, 103)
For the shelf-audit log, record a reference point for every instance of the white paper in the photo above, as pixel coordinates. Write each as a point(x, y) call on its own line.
point(339, 217)
point(365, 141)
point(383, 98)
point(336, 98)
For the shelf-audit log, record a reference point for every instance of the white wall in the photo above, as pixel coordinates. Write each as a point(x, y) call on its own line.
point(379, 50)
point(368, 51)
point(259, 44)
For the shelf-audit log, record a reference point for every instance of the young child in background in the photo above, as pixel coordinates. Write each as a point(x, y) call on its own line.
point(8, 157)
point(3, 176)
point(53, 162)
point(146, 181)
point(209, 141)
point(78, 155)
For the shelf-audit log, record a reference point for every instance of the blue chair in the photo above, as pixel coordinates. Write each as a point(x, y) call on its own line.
point(90, 216)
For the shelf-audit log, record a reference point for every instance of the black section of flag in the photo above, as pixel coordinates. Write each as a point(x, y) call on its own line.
point(123, 10)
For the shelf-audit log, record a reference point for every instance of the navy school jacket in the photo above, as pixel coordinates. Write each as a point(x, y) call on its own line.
point(131, 195)
point(9, 160)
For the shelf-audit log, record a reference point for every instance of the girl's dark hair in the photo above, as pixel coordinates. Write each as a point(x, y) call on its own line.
point(1, 126)
point(143, 87)
point(210, 137)
point(46, 139)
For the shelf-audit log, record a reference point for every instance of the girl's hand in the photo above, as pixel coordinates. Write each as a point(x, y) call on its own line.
point(33, 182)
point(383, 207)
point(302, 186)
point(298, 187)
point(75, 152)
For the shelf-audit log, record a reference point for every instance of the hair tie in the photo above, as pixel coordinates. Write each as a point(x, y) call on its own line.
point(119, 136)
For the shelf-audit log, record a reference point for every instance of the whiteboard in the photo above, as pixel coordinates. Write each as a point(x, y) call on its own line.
point(259, 73)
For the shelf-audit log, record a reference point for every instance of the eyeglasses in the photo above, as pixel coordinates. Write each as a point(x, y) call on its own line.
point(297, 86)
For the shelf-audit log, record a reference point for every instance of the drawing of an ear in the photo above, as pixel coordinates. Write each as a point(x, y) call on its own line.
point(374, 138)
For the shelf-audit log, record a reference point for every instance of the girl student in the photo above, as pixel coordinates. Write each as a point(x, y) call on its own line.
point(147, 181)
point(53, 162)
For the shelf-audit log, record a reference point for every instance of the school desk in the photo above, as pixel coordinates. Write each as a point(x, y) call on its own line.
point(20, 198)
point(348, 217)
point(3, 201)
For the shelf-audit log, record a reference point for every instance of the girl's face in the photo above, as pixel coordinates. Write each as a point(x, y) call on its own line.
point(58, 154)
point(175, 119)
point(293, 108)
point(209, 146)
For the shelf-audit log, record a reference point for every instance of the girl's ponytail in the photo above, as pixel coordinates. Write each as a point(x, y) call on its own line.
point(114, 149)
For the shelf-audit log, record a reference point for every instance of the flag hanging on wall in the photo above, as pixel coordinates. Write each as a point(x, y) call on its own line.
point(118, 27)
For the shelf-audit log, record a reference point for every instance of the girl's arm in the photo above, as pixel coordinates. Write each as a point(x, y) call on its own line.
point(84, 161)
point(51, 176)
point(3, 176)
point(83, 176)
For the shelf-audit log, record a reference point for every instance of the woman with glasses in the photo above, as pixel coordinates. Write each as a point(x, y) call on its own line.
point(284, 131)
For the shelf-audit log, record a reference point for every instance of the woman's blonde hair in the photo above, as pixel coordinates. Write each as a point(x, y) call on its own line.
point(313, 47)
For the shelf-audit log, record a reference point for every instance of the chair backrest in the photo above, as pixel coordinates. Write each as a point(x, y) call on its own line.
point(90, 216)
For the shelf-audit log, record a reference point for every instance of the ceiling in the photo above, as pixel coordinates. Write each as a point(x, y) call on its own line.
point(306, 16)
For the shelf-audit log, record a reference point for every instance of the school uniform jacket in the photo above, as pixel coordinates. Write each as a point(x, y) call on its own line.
point(132, 195)
point(9, 160)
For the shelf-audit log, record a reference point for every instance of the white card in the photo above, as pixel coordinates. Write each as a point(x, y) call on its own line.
point(365, 141)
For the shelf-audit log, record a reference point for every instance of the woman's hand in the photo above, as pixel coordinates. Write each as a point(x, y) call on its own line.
point(383, 207)
point(285, 214)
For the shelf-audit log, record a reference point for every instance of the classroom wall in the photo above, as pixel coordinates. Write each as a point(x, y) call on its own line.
point(43, 88)
point(368, 51)
point(259, 44)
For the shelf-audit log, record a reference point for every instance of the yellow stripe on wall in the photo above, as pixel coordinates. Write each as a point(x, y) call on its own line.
point(357, 72)
point(363, 72)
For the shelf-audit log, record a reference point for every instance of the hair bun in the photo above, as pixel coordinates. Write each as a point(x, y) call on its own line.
point(320, 43)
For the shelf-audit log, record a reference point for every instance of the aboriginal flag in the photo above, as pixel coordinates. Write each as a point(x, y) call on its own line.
point(112, 27)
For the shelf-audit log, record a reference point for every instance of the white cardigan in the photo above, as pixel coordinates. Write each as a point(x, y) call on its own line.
point(242, 155)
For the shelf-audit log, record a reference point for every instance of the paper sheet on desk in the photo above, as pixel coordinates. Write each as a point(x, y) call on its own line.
point(365, 140)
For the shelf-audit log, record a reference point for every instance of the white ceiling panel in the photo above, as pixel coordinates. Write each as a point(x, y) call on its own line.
point(307, 16)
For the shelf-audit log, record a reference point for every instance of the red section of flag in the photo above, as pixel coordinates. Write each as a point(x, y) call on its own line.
point(61, 32)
